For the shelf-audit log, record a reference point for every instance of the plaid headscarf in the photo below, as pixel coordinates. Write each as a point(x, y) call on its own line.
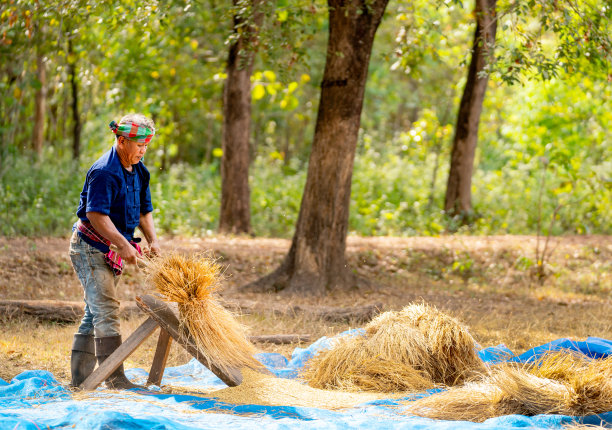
point(135, 132)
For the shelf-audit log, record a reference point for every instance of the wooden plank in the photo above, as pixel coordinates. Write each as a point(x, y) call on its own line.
point(355, 314)
point(65, 311)
point(114, 360)
point(161, 356)
point(168, 320)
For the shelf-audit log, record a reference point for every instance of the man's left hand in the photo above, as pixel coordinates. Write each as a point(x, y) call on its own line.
point(154, 248)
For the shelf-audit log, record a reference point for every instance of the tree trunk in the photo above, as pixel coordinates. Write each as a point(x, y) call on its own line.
point(316, 260)
point(458, 200)
point(76, 117)
point(235, 216)
point(40, 100)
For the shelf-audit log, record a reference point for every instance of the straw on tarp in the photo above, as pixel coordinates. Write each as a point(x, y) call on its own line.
point(192, 282)
point(257, 388)
point(369, 364)
point(414, 349)
point(559, 383)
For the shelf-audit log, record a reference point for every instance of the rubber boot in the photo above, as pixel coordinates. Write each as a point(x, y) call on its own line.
point(83, 358)
point(105, 346)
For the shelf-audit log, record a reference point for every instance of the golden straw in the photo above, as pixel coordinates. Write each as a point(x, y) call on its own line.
point(191, 282)
point(558, 383)
point(411, 350)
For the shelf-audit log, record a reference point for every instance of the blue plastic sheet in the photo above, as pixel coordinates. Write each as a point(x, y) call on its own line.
point(35, 400)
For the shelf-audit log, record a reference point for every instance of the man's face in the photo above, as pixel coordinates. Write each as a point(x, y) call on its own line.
point(134, 151)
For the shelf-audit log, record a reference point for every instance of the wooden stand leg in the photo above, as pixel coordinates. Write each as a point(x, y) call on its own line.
point(114, 360)
point(161, 356)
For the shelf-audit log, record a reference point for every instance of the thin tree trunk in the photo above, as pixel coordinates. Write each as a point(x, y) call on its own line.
point(316, 260)
point(287, 144)
point(235, 216)
point(434, 175)
point(38, 134)
point(458, 200)
point(76, 117)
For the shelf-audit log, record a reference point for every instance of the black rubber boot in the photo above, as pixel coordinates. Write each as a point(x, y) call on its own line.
point(105, 346)
point(83, 358)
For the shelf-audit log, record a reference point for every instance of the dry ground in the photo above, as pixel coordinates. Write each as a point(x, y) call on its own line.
point(487, 282)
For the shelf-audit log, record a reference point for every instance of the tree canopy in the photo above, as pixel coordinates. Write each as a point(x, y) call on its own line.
point(546, 112)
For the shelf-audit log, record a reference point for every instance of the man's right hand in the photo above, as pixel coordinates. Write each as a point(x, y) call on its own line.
point(128, 253)
point(104, 226)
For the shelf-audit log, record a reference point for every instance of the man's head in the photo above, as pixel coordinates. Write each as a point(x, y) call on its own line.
point(133, 134)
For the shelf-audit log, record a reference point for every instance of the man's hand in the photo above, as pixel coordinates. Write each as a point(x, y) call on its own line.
point(103, 225)
point(148, 228)
point(154, 248)
point(128, 253)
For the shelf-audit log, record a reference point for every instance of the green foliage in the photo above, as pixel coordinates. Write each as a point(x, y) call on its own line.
point(167, 60)
point(276, 194)
point(542, 38)
point(186, 199)
point(38, 197)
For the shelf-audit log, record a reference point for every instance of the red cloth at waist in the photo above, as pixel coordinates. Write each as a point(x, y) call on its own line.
point(112, 258)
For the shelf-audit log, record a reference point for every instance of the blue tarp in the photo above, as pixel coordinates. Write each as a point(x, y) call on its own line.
point(35, 400)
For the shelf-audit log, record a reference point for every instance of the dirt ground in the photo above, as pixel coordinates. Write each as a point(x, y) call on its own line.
point(489, 283)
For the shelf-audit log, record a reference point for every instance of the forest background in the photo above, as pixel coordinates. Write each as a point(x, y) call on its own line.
point(542, 163)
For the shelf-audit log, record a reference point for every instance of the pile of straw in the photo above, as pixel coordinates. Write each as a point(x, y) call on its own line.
point(559, 383)
point(415, 349)
point(191, 282)
point(257, 388)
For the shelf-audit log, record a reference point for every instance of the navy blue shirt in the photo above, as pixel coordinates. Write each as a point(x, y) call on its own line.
point(111, 190)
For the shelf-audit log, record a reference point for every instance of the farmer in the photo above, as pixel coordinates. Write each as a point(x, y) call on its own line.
point(115, 200)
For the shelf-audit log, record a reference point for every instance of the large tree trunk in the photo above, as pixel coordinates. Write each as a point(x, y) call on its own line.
point(76, 117)
point(235, 216)
point(40, 100)
point(316, 260)
point(458, 199)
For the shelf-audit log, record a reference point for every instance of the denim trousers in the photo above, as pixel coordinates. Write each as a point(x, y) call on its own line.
point(100, 287)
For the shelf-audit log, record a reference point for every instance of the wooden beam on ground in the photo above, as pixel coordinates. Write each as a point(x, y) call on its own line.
point(115, 360)
point(68, 312)
point(280, 339)
point(356, 314)
point(56, 310)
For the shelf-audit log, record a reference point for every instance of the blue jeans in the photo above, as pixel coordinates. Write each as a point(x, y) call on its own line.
point(100, 286)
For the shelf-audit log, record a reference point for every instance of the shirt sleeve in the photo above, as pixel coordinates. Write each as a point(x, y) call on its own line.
point(146, 204)
point(102, 189)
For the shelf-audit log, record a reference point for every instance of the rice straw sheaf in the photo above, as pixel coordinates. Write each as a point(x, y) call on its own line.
point(364, 364)
point(590, 381)
point(559, 383)
point(453, 350)
point(191, 282)
point(400, 351)
point(470, 402)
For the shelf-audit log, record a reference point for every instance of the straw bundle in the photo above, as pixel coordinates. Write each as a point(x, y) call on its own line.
point(453, 356)
point(378, 363)
point(559, 383)
point(412, 350)
point(260, 389)
point(470, 402)
point(191, 282)
point(526, 394)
